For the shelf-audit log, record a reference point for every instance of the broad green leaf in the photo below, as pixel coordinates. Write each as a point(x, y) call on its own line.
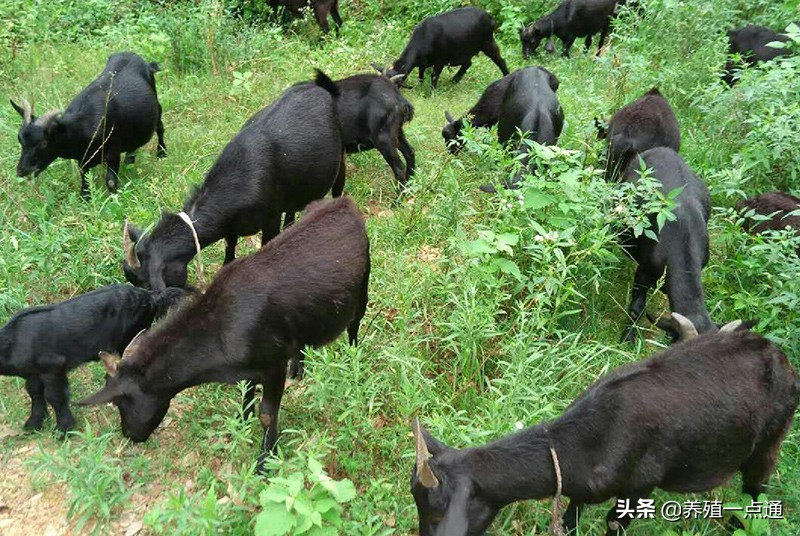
point(536, 199)
point(508, 267)
point(274, 520)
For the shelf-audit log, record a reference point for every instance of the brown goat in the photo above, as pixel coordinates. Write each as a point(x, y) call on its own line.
point(303, 288)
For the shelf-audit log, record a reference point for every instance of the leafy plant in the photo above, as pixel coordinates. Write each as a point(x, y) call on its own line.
point(308, 502)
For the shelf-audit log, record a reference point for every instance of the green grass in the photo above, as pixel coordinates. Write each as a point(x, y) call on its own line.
point(472, 352)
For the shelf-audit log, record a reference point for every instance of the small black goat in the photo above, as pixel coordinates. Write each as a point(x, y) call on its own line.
point(285, 156)
point(372, 112)
point(530, 106)
point(685, 420)
point(777, 207)
point(321, 8)
point(42, 344)
point(485, 113)
point(117, 113)
point(570, 20)
point(682, 246)
point(643, 124)
point(303, 288)
point(450, 38)
point(751, 43)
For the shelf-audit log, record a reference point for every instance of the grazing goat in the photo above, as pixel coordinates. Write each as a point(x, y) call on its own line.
point(321, 8)
point(117, 113)
point(685, 420)
point(372, 113)
point(42, 344)
point(285, 156)
point(485, 113)
point(570, 20)
point(643, 124)
point(302, 288)
point(450, 38)
point(530, 106)
point(682, 246)
point(752, 43)
point(781, 210)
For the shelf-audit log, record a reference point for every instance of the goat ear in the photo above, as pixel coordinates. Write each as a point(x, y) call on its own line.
point(424, 471)
point(449, 117)
point(456, 518)
point(130, 235)
point(25, 111)
point(110, 362)
point(378, 68)
point(134, 345)
point(112, 390)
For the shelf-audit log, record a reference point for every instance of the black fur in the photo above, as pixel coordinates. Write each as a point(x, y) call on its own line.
point(285, 156)
point(751, 43)
point(321, 8)
point(685, 420)
point(682, 247)
point(570, 20)
point(301, 289)
point(485, 113)
point(42, 344)
point(372, 112)
point(117, 113)
point(450, 38)
point(776, 206)
point(643, 124)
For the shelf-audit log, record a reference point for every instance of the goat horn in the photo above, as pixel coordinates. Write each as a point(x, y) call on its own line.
point(685, 327)
point(110, 361)
point(424, 471)
point(731, 326)
point(396, 78)
point(134, 345)
point(129, 248)
point(27, 110)
point(449, 117)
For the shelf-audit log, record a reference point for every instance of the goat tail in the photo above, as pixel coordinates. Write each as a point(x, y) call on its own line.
point(167, 299)
point(154, 67)
point(324, 81)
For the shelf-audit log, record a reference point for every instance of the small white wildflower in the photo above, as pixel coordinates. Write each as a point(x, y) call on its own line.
point(509, 205)
point(520, 198)
point(519, 425)
point(619, 209)
point(538, 238)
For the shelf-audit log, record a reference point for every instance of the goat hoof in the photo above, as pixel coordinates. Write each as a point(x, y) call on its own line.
point(161, 153)
point(112, 185)
point(33, 424)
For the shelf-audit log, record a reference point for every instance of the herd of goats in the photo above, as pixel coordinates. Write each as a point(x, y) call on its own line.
point(717, 401)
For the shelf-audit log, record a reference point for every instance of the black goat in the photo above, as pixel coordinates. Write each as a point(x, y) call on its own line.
point(751, 43)
point(372, 112)
point(570, 20)
point(42, 344)
point(301, 289)
point(117, 113)
point(285, 156)
point(321, 8)
point(682, 246)
point(485, 113)
point(450, 38)
point(685, 420)
point(643, 124)
point(530, 106)
point(781, 210)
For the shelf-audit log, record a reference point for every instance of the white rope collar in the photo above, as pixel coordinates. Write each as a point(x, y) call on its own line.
point(185, 217)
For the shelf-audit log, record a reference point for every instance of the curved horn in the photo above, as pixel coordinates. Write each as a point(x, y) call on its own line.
point(685, 327)
point(110, 362)
point(134, 345)
point(129, 248)
point(731, 326)
point(424, 471)
point(449, 117)
point(27, 111)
